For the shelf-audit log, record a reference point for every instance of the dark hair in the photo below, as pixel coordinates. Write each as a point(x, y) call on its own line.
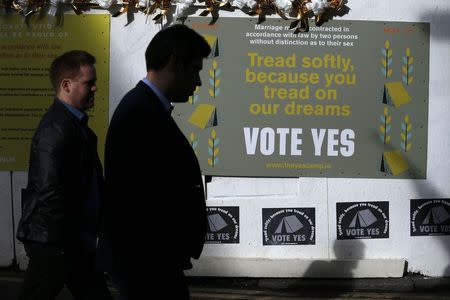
point(179, 40)
point(68, 65)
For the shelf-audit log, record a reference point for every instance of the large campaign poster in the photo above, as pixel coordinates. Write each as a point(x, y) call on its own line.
point(346, 99)
point(26, 52)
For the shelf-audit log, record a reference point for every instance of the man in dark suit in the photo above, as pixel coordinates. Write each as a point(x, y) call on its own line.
point(156, 201)
point(60, 206)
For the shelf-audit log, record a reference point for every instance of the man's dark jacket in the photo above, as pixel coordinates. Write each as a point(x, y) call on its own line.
point(156, 212)
point(63, 158)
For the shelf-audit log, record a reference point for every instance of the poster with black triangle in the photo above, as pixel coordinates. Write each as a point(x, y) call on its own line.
point(430, 217)
point(362, 220)
point(289, 226)
point(223, 225)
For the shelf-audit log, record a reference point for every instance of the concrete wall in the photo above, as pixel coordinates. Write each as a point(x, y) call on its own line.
point(357, 258)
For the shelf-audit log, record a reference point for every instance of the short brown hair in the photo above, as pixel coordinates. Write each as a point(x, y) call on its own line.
point(179, 40)
point(68, 65)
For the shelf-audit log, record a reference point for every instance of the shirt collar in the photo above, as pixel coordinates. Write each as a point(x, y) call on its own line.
point(164, 101)
point(77, 113)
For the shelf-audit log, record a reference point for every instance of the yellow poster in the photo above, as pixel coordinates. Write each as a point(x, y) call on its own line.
point(26, 51)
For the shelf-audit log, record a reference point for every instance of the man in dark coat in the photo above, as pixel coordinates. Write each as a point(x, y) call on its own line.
point(156, 214)
point(60, 205)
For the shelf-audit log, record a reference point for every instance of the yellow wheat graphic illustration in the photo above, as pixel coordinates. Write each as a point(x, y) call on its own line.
point(213, 149)
point(385, 127)
point(386, 60)
point(214, 80)
point(407, 68)
point(194, 98)
point(406, 134)
point(194, 142)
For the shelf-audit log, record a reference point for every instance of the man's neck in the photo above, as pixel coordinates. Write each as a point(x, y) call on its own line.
point(161, 80)
point(65, 99)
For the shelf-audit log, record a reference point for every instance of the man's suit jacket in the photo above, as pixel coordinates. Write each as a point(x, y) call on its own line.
point(62, 161)
point(154, 186)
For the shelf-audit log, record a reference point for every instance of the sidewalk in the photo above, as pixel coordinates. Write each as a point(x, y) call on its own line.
point(214, 288)
point(408, 287)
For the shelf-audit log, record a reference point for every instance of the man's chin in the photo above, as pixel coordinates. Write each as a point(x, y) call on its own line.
point(89, 106)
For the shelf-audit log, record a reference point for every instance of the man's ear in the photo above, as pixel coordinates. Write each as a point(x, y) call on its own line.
point(175, 63)
point(65, 85)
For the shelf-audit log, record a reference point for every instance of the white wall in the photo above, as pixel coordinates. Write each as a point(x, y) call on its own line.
point(427, 255)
